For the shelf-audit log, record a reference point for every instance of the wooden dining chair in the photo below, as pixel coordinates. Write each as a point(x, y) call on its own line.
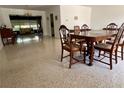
point(85, 27)
point(77, 29)
point(110, 48)
point(7, 36)
point(121, 45)
point(111, 27)
point(69, 45)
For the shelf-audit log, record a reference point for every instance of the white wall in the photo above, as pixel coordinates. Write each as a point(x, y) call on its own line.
point(69, 11)
point(5, 12)
point(0, 17)
point(103, 15)
point(56, 12)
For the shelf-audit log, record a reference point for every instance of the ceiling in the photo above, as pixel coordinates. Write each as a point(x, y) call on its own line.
point(35, 7)
point(43, 7)
point(29, 7)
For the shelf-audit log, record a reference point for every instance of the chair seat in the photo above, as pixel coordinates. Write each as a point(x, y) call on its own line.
point(103, 46)
point(109, 38)
point(121, 43)
point(75, 47)
point(7, 36)
point(109, 42)
point(80, 40)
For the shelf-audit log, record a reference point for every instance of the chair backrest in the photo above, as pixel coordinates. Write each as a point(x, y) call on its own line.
point(84, 26)
point(112, 26)
point(118, 36)
point(6, 33)
point(64, 34)
point(122, 39)
point(76, 30)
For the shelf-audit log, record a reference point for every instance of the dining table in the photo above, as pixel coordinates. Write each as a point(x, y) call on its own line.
point(92, 37)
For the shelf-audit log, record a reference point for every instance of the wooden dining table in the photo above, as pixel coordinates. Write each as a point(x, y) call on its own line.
point(93, 36)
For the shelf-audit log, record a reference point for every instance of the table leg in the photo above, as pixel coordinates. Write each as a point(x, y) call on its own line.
point(88, 48)
point(91, 54)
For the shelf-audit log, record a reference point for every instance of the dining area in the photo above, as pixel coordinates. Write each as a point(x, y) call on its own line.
point(87, 43)
point(86, 52)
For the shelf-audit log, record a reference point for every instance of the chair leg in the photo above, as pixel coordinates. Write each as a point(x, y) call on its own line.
point(80, 52)
point(99, 53)
point(62, 55)
point(71, 55)
point(81, 47)
point(13, 41)
point(7, 41)
point(122, 55)
point(3, 42)
point(116, 60)
point(84, 56)
point(110, 61)
point(87, 50)
point(104, 52)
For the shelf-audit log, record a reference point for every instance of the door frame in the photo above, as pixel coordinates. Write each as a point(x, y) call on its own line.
point(52, 24)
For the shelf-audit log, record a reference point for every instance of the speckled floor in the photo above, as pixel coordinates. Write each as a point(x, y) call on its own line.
point(37, 64)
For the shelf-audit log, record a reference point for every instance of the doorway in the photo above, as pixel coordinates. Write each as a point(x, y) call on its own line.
point(26, 24)
point(52, 25)
point(27, 28)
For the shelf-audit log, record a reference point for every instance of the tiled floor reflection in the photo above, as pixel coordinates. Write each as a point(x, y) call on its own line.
point(28, 38)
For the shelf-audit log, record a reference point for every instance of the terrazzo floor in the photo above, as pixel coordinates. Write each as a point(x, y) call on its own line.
point(36, 64)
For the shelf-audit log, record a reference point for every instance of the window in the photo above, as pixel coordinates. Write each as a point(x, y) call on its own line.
point(18, 24)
